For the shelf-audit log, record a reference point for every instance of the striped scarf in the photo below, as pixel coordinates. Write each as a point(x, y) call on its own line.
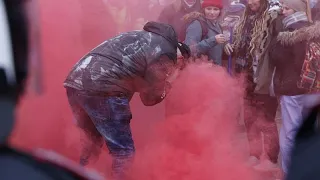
point(293, 18)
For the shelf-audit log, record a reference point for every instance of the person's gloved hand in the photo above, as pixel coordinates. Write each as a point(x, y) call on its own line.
point(228, 49)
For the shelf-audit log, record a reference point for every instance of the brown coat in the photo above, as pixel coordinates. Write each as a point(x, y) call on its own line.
point(304, 34)
point(304, 60)
point(288, 60)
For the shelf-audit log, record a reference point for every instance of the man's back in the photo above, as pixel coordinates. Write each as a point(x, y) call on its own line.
point(118, 64)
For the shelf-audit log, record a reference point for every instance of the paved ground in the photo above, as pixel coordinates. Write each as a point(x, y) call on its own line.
point(274, 175)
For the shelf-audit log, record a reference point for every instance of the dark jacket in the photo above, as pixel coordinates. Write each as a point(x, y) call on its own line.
point(288, 60)
point(170, 15)
point(305, 162)
point(137, 61)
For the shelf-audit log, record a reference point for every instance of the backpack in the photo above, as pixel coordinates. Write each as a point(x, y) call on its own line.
point(187, 22)
point(310, 72)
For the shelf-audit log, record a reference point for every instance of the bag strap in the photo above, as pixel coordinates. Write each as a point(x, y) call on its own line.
point(204, 28)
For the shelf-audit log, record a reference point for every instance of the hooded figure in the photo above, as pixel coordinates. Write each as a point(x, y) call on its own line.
point(101, 85)
point(296, 82)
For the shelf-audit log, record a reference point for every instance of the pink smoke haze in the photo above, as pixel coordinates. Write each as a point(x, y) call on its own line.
point(198, 142)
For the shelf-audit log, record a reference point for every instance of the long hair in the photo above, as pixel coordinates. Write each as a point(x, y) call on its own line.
point(260, 29)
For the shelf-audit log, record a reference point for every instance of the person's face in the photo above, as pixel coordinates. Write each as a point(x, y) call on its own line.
point(190, 3)
point(286, 11)
point(212, 12)
point(254, 5)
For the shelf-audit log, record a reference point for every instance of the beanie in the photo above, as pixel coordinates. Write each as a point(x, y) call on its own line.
point(297, 5)
point(215, 3)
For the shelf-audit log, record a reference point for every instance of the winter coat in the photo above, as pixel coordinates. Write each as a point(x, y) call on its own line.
point(288, 60)
point(309, 70)
point(205, 45)
point(137, 61)
point(100, 21)
point(170, 15)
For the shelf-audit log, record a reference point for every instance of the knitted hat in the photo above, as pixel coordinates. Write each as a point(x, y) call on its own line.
point(297, 5)
point(215, 3)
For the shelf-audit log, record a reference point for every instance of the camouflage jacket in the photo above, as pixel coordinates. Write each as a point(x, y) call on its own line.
point(138, 61)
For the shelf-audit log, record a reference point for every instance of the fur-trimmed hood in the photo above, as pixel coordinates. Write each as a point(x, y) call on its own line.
point(193, 15)
point(303, 34)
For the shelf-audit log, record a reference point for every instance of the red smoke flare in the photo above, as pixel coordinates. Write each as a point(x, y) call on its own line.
point(200, 142)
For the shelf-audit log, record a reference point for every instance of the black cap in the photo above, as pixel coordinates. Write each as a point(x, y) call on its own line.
point(167, 32)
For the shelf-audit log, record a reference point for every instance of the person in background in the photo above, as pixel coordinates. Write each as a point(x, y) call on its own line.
point(104, 19)
point(230, 20)
point(174, 12)
point(315, 10)
point(97, 22)
point(251, 43)
point(101, 85)
point(204, 34)
point(141, 12)
point(296, 82)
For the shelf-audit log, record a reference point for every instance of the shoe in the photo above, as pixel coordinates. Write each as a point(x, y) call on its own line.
point(252, 161)
point(266, 165)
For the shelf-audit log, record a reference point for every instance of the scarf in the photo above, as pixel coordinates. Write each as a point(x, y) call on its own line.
point(294, 18)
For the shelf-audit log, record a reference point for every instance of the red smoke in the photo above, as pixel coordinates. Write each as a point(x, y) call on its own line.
point(200, 142)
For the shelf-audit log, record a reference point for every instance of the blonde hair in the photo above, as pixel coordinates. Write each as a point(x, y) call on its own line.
point(260, 28)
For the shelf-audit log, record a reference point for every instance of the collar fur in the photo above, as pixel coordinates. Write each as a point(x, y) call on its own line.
point(303, 34)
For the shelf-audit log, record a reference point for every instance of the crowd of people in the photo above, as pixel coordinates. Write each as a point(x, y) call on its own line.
point(273, 43)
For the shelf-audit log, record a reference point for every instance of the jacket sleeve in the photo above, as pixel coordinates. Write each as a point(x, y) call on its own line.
point(193, 39)
point(156, 87)
point(277, 52)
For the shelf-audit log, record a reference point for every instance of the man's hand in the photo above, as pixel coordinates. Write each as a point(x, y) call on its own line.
point(173, 76)
point(228, 49)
